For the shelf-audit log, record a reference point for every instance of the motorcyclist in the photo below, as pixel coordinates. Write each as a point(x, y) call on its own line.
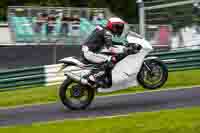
point(101, 38)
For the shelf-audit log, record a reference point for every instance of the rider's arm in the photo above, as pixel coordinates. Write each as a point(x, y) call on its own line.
point(94, 57)
point(110, 45)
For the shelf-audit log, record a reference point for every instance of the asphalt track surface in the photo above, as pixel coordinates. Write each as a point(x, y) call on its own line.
point(103, 106)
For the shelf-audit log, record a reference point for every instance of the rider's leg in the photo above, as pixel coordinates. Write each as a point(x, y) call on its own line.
point(97, 59)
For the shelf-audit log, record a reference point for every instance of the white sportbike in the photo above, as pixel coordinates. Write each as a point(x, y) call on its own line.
point(132, 69)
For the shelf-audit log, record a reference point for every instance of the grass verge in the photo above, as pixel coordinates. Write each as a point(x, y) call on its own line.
point(49, 94)
point(168, 121)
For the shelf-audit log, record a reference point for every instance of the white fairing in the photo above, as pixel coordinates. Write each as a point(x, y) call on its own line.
point(124, 74)
point(132, 38)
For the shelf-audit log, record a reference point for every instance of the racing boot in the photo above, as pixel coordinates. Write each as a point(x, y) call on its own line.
point(95, 79)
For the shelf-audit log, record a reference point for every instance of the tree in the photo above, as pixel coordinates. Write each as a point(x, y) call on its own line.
point(177, 16)
point(127, 9)
point(3, 10)
point(124, 8)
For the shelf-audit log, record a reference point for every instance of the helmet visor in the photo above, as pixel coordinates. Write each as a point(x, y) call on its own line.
point(118, 29)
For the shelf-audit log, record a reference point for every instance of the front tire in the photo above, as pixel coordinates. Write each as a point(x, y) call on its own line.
point(147, 78)
point(67, 100)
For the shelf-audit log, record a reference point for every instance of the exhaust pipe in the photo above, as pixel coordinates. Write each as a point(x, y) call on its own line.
point(77, 78)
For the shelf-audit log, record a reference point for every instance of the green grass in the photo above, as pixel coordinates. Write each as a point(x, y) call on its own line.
point(50, 94)
point(168, 121)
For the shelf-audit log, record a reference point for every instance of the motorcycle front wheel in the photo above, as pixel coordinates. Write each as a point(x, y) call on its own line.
point(74, 95)
point(153, 74)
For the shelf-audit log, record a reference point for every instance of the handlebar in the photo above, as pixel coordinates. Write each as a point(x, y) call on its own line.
point(128, 49)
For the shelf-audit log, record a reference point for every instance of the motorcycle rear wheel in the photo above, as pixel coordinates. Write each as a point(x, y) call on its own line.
point(79, 92)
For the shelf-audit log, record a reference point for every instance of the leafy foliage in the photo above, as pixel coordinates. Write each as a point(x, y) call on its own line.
point(125, 8)
point(178, 16)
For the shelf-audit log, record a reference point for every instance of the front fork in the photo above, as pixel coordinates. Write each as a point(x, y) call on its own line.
point(146, 66)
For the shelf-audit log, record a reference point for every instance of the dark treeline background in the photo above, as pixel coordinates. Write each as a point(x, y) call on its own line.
point(127, 9)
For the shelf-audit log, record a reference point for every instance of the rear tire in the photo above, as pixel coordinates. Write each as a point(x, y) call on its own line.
point(163, 79)
point(66, 100)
